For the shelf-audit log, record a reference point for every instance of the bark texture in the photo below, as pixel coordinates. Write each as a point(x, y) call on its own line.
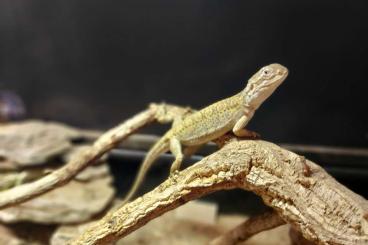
point(300, 191)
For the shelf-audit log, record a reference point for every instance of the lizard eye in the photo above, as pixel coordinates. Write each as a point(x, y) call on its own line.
point(266, 72)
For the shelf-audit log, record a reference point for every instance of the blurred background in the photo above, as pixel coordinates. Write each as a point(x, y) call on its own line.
point(93, 64)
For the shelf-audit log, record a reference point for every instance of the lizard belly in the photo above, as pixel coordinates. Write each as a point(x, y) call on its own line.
point(207, 131)
point(202, 139)
point(210, 122)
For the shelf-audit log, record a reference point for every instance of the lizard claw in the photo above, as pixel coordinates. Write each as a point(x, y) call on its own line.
point(174, 175)
point(253, 135)
point(247, 134)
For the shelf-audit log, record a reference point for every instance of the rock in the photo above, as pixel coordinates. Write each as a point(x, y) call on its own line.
point(34, 142)
point(65, 233)
point(6, 165)
point(97, 170)
point(25, 234)
point(10, 179)
point(78, 149)
point(167, 230)
point(74, 202)
point(276, 236)
point(93, 172)
point(7, 236)
point(198, 212)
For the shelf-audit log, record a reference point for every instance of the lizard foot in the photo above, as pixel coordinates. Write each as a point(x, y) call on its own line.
point(252, 135)
point(247, 134)
point(174, 175)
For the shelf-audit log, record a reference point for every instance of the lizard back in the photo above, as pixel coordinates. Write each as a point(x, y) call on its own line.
point(210, 122)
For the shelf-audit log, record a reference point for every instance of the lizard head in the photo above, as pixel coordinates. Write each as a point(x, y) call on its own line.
point(262, 84)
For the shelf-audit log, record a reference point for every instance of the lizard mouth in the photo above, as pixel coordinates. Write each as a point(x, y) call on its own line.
point(283, 72)
point(272, 83)
point(268, 84)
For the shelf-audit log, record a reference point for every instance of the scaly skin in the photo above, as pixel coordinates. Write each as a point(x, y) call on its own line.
point(230, 114)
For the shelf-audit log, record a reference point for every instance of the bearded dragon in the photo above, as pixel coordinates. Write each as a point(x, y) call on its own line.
point(213, 121)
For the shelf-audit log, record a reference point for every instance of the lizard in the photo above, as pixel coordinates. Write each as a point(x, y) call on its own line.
point(213, 121)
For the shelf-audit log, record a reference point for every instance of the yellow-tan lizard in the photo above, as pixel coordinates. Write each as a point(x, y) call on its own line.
point(213, 121)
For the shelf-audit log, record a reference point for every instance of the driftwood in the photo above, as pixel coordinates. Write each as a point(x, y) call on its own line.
point(161, 112)
point(299, 191)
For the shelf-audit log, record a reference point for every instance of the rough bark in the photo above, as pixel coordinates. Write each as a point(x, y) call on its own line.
point(300, 191)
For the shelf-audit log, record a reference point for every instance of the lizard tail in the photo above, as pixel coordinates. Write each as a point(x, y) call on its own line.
point(160, 147)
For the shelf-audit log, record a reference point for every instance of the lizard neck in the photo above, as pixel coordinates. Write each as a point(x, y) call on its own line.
point(246, 103)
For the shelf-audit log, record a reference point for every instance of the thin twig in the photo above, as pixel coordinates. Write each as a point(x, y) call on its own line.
point(250, 227)
point(107, 141)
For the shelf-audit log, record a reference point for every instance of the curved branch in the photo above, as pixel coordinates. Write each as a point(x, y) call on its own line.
point(160, 112)
point(301, 192)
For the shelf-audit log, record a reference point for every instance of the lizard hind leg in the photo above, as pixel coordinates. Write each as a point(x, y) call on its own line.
point(191, 150)
point(175, 148)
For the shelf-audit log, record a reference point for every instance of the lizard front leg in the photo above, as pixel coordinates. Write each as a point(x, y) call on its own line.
point(239, 128)
point(175, 148)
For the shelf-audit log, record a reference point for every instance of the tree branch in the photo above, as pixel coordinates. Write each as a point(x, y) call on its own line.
point(250, 227)
point(160, 112)
point(300, 191)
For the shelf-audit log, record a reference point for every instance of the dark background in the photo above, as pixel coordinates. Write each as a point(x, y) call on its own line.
point(94, 63)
